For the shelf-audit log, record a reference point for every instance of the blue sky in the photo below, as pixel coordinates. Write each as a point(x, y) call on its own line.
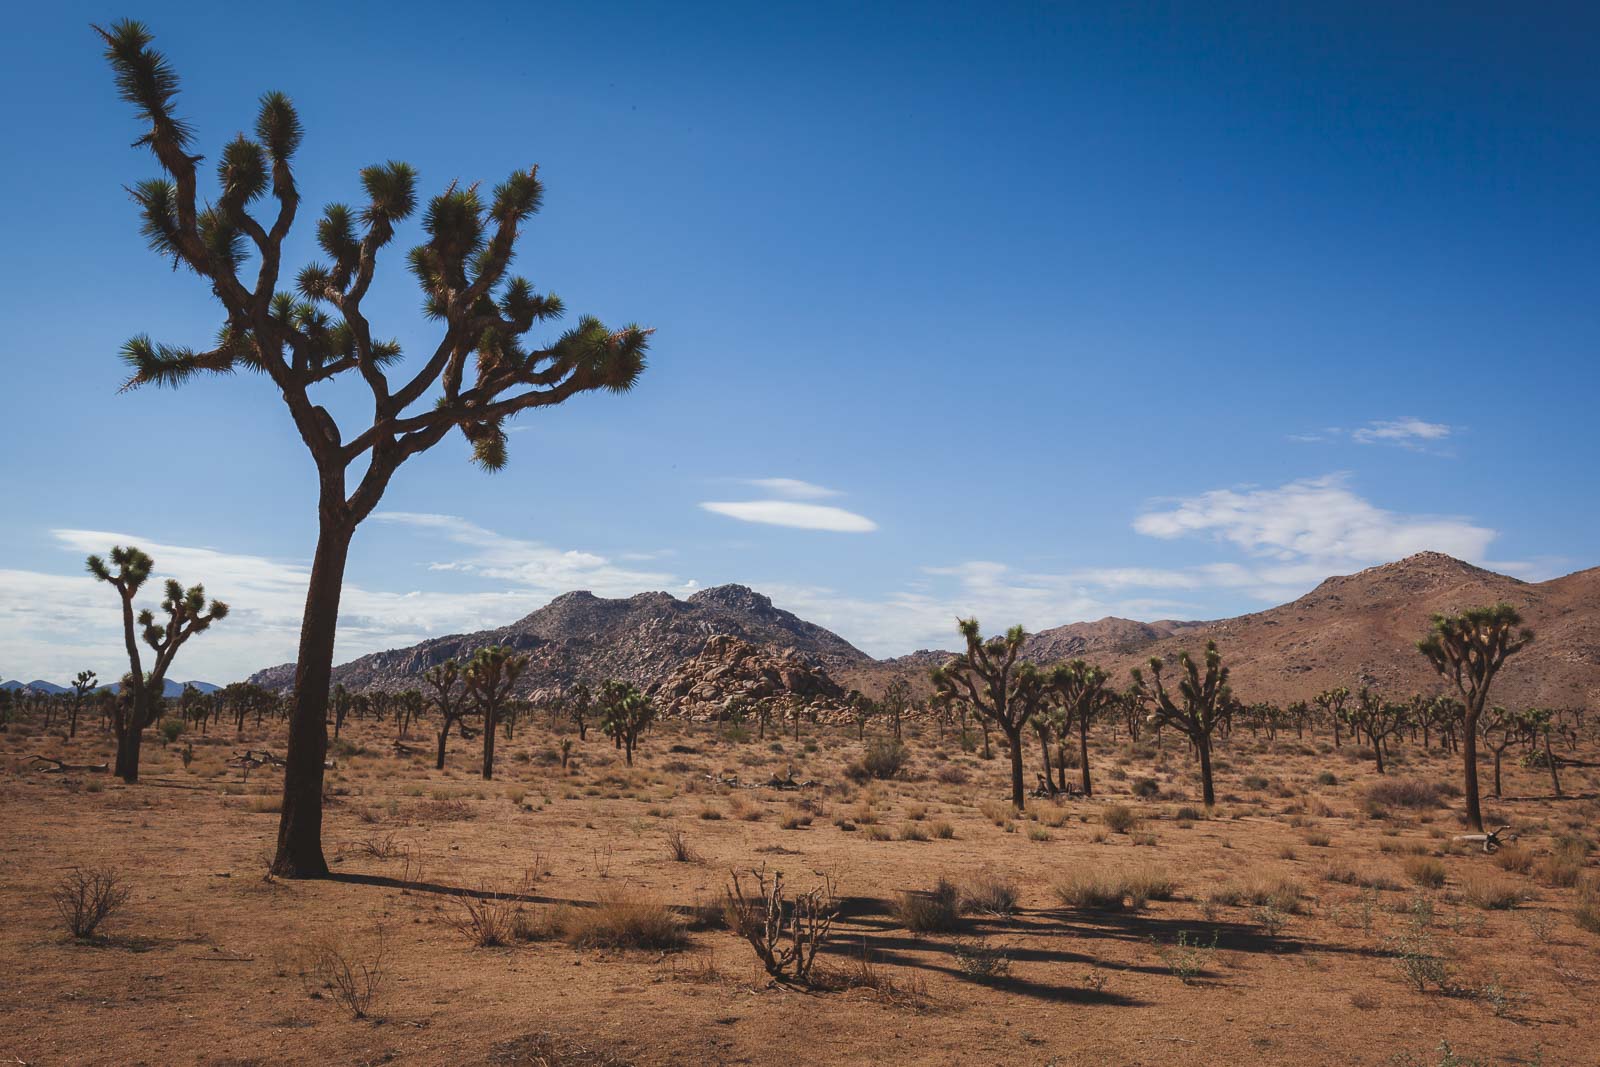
point(1042, 313)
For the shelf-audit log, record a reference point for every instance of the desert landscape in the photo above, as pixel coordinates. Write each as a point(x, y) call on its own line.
point(636, 534)
point(574, 909)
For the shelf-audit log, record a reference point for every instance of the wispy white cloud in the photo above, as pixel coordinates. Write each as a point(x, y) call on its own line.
point(793, 488)
point(1313, 524)
point(528, 565)
point(54, 624)
point(1408, 431)
point(794, 514)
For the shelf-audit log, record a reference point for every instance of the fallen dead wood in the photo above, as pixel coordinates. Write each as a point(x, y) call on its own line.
point(1491, 840)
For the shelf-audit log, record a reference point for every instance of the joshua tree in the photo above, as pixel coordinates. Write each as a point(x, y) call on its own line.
point(408, 709)
point(450, 701)
point(896, 700)
point(625, 713)
point(1206, 702)
point(1377, 718)
point(339, 704)
point(82, 684)
point(1501, 728)
point(1084, 691)
point(187, 614)
point(1542, 722)
point(1469, 649)
point(986, 677)
point(864, 708)
point(481, 372)
point(1332, 702)
point(489, 676)
point(579, 702)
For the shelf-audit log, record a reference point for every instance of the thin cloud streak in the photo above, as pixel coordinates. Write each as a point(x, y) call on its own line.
point(792, 514)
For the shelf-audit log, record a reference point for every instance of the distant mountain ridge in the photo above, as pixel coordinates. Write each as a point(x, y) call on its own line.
point(581, 637)
point(169, 687)
point(1351, 630)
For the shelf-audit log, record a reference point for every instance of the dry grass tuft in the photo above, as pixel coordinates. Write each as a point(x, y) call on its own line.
point(622, 920)
point(934, 911)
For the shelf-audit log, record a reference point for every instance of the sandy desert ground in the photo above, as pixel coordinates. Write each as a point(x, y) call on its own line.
point(1287, 927)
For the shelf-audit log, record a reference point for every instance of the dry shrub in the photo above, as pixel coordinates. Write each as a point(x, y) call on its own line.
point(87, 898)
point(1277, 891)
point(978, 960)
point(1091, 889)
point(1407, 793)
point(1564, 865)
point(910, 992)
point(490, 918)
point(1514, 858)
point(352, 972)
point(885, 758)
point(1119, 818)
point(996, 811)
point(622, 920)
point(1491, 892)
point(1148, 882)
point(1424, 871)
point(785, 935)
point(933, 911)
point(678, 848)
point(989, 894)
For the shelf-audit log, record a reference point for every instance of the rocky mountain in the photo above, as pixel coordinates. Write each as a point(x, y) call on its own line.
point(36, 686)
point(170, 688)
point(1362, 629)
point(1351, 630)
point(1082, 640)
point(728, 670)
point(582, 637)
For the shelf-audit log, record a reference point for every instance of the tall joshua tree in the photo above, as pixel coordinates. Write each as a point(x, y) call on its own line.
point(481, 372)
point(186, 613)
point(625, 713)
point(987, 678)
point(1332, 702)
point(1085, 692)
point(1204, 701)
point(490, 675)
point(1469, 649)
point(82, 684)
point(448, 698)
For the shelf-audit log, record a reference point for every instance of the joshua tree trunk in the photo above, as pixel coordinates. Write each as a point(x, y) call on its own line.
point(1550, 761)
point(1083, 751)
point(444, 734)
point(1044, 750)
point(299, 852)
point(1014, 737)
point(1208, 793)
point(491, 717)
point(128, 738)
point(1469, 768)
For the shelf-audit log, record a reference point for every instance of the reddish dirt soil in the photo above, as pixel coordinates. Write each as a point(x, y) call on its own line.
point(208, 962)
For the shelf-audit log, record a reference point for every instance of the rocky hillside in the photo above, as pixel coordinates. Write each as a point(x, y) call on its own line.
point(729, 670)
point(582, 637)
point(1362, 629)
point(1351, 630)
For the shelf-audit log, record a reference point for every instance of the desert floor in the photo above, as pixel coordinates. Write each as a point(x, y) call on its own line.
point(1296, 907)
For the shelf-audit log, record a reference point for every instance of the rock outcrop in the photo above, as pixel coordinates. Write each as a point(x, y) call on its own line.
point(730, 671)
